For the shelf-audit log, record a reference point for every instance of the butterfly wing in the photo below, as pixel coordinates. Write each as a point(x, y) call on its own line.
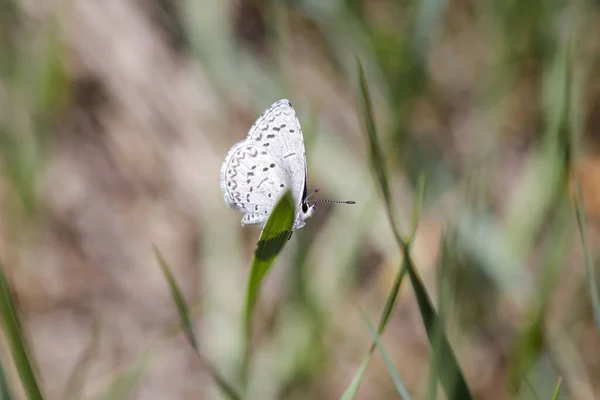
point(278, 131)
point(252, 181)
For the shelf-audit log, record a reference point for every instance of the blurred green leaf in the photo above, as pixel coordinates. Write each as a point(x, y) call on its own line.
point(531, 342)
point(466, 278)
point(16, 338)
point(527, 350)
point(590, 272)
point(10, 23)
point(4, 390)
point(400, 386)
point(52, 84)
point(186, 324)
point(429, 23)
point(451, 375)
point(417, 207)
point(444, 286)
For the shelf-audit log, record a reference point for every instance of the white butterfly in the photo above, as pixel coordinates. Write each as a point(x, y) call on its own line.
point(259, 169)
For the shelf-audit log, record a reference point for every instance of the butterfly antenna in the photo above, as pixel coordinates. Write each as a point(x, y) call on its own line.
point(327, 201)
point(334, 201)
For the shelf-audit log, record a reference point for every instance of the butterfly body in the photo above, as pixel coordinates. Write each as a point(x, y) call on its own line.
point(258, 170)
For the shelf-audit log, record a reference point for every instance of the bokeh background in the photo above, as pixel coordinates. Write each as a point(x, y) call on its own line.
point(115, 117)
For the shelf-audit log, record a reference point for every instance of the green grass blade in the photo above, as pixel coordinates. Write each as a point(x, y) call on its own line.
point(4, 390)
point(450, 374)
point(557, 388)
point(352, 389)
point(16, 339)
point(381, 173)
point(74, 385)
point(376, 156)
point(390, 302)
point(417, 207)
point(400, 386)
point(121, 387)
point(415, 217)
point(445, 261)
point(186, 324)
point(531, 345)
point(179, 300)
point(272, 239)
point(589, 265)
point(274, 236)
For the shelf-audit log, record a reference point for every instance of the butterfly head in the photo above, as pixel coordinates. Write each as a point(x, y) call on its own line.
point(308, 208)
point(306, 211)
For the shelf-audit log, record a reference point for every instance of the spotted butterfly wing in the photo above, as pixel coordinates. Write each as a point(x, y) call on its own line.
point(259, 169)
point(251, 182)
point(278, 130)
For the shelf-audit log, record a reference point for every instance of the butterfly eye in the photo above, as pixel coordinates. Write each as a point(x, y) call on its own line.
point(304, 207)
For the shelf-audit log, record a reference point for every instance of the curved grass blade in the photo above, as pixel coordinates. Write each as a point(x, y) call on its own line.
point(451, 376)
point(557, 389)
point(376, 156)
point(385, 316)
point(352, 389)
point(183, 311)
point(532, 343)
point(400, 386)
point(589, 265)
point(16, 339)
point(274, 236)
point(121, 388)
point(178, 298)
point(74, 384)
point(445, 261)
point(390, 302)
point(4, 391)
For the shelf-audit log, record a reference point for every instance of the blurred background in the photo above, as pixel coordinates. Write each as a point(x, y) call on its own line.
point(115, 117)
